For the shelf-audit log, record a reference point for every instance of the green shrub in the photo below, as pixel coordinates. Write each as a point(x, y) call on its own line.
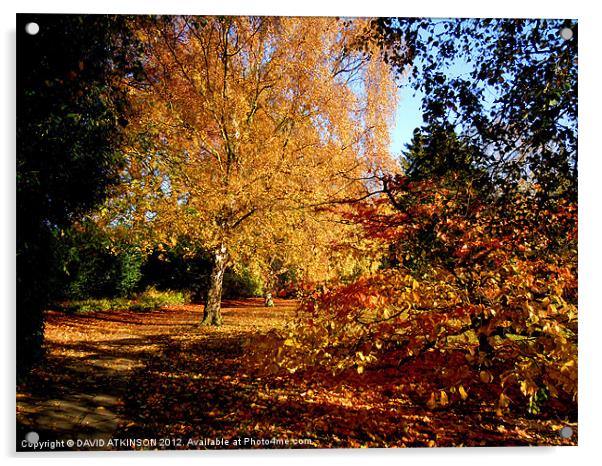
point(128, 272)
point(86, 306)
point(152, 299)
point(93, 266)
point(242, 284)
point(149, 300)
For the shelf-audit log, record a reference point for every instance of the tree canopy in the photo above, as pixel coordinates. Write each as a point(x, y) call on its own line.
point(509, 86)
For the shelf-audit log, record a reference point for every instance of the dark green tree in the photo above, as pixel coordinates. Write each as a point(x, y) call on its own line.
point(69, 120)
point(437, 151)
point(437, 164)
point(95, 265)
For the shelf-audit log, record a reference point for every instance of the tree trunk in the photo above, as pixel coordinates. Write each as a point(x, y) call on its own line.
point(269, 299)
point(269, 287)
point(212, 314)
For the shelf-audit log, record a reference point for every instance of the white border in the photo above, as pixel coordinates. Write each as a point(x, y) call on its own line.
point(589, 213)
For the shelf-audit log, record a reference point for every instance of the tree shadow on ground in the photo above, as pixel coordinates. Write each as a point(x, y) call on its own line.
point(77, 391)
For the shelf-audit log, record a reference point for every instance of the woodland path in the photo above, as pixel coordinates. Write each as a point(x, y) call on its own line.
point(160, 376)
point(95, 361)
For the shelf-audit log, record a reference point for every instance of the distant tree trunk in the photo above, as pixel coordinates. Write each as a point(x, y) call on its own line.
point(212, 314)
point(269, 287)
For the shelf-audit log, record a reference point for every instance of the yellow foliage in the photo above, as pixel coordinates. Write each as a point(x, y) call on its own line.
point(247, 128)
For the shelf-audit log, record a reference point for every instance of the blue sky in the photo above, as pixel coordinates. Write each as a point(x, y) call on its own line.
point(409, 114)
point(407, 118)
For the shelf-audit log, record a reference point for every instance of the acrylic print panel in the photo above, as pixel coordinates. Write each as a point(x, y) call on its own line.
point(282, 232)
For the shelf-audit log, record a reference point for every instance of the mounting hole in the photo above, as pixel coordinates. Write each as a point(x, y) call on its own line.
point(32, 28)
point(566, 33)
point(32, 437)
point(566, 432)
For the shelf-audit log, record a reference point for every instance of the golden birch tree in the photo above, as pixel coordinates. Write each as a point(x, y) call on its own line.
point(245, 128)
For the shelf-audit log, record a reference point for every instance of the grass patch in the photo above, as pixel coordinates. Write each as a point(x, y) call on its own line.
point(152, 299)
point(86, 306)
point(149, 300)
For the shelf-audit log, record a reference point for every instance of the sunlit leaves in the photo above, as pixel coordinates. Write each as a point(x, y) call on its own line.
point(246, 129)
point(492, 313)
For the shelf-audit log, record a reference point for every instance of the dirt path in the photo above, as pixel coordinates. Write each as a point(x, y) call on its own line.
point(96, 362)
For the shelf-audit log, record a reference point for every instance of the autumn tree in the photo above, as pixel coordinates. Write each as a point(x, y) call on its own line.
point(246, 128)
point(478, 306)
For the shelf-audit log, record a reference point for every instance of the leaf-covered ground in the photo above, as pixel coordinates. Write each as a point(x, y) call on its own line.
point(159, 380)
